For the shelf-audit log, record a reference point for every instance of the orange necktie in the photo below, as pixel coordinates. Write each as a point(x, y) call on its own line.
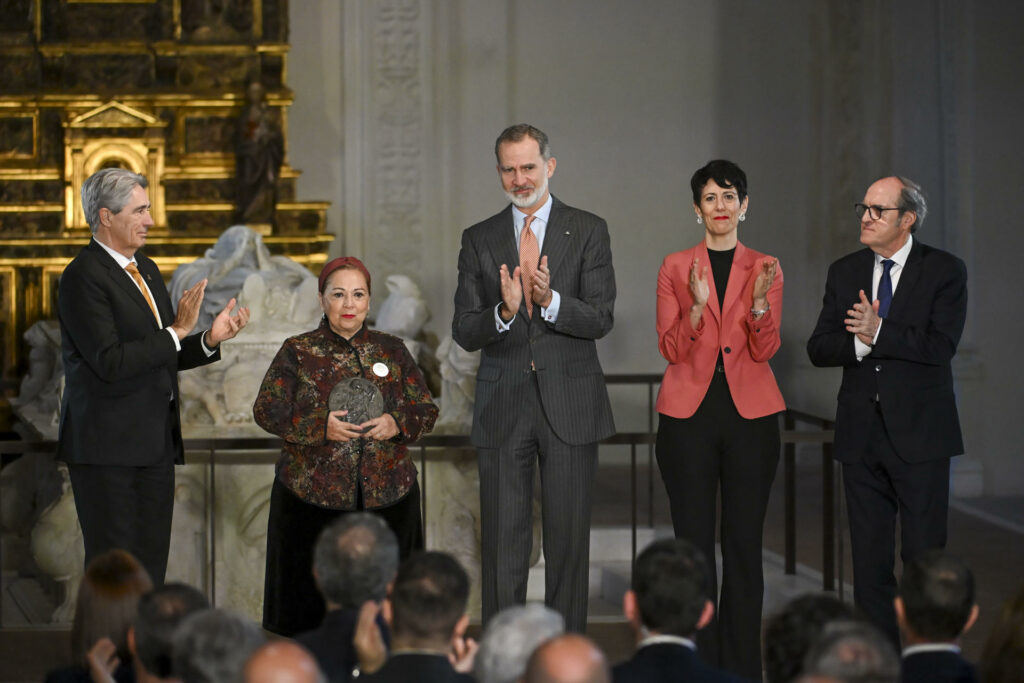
point(137, 276)
point(529, 258)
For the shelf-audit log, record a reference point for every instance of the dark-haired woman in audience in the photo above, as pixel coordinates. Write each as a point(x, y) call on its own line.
point(719, 312)
point(107, 599)
point(333, 462)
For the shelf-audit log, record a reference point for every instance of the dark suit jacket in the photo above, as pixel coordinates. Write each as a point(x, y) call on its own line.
point(909, 367)
point(668, 662)
point(331, 643)
point(564, 353)
point(120, 369)
point(936, 667)
point(423, 668)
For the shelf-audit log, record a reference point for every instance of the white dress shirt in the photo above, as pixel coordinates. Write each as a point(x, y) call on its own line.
point(539, 228)
point(899, 259)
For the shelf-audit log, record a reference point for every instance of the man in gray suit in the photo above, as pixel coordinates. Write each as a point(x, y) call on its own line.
point(536, 289)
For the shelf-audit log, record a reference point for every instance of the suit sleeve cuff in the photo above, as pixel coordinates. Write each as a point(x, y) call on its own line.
point(550, 313)
point(206, 349)
point(501, 324)
point(174, 336)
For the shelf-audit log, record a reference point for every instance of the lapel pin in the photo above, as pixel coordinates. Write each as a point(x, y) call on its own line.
point(566, 232)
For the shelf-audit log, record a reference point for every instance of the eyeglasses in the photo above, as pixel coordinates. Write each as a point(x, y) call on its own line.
point(874, 211)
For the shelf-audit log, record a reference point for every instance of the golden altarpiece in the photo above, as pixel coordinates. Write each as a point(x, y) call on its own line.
point(156, 86)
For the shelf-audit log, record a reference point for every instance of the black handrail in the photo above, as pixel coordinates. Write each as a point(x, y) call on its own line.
point(264, 450)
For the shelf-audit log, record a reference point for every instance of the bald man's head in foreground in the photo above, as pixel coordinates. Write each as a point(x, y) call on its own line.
point(569, 658)
point(282, 661)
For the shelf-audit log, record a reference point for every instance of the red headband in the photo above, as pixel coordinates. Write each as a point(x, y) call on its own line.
point(343, 262)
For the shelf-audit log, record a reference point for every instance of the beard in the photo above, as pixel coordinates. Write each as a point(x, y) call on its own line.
point(524, 202)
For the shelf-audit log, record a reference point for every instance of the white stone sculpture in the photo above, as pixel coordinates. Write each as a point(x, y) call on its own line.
point(57, 547)
point(404, 312)
point(458, 388)
point(38, 401)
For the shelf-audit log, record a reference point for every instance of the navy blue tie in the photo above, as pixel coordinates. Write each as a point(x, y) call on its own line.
point(885, 288)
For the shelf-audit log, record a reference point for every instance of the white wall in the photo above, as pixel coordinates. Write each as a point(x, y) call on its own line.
point(814, 100)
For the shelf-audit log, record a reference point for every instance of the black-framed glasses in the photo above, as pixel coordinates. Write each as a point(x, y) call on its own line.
point(874, 210)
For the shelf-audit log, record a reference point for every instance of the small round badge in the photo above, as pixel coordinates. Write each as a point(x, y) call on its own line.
point(380, 369)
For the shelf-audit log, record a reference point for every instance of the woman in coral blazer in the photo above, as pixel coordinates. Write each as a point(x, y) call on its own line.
point(719, 311)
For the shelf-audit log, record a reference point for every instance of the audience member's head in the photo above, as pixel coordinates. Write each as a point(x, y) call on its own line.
point(568, 658)
point(935, 602)
point(852, 652)
point(510, 638)
point(790, 632)
point(282, 661)
point(355, 559)
point(1002, 658)
point(428, 601)
point(107, 599)
point(211, 646)
point(159, 613)
point(669, 594)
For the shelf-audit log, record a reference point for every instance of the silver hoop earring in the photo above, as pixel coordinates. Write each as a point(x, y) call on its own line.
point(743, 216)
point(699, 220)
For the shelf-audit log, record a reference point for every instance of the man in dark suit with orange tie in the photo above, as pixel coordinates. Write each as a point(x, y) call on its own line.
point(892, 316)
point(536, 289)
point(122, 347)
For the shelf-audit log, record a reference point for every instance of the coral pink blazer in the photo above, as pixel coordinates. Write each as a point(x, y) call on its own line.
point(746, 344)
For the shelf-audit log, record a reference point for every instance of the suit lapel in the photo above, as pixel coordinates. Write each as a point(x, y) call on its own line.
point(558, 236)
point(705, 262)
point(908, 278)
point(151, 274)
point(500, 241)
point(123, 280)
point(739, 275)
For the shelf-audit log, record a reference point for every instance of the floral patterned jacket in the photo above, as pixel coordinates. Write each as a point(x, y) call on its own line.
point(292, 404)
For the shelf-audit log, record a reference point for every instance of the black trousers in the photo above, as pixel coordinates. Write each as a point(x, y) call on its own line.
point(291, 601)
point(718, 450)
point(506, 502)
point(878, 487)
point(128, 508)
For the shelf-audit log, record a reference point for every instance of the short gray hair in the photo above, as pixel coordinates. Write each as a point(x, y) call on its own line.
point(853, 652)
point(510, 638)
point(912, 199)
point(212, 646)
point(355, 559)
point(108, 188)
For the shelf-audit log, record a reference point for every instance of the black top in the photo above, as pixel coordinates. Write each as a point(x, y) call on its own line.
point(721, 264)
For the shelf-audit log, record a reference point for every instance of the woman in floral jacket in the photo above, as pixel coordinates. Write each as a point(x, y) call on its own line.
point(329, 466)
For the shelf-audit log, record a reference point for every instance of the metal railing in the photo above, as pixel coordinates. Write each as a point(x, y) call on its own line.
point(264, 450)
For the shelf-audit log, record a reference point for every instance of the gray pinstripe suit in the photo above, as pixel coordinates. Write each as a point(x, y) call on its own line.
point(554, 415)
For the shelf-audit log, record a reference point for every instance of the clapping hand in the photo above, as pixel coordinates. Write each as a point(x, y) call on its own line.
point(226, 326)
point(511, 292)
point(188, 309)
point(542, 284)
point(863, 320)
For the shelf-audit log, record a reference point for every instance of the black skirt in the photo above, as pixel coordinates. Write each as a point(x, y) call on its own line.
point(291, 601)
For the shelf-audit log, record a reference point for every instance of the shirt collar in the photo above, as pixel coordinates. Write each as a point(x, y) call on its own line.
point(121, 259)
point(666, 639)
point(931, 647)
point(900, 257)
point(541, 214)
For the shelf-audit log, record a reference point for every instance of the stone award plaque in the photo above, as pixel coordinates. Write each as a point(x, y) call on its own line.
point(360, 397)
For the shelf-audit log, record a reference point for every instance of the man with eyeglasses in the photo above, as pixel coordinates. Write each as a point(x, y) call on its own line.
point(891, 317)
